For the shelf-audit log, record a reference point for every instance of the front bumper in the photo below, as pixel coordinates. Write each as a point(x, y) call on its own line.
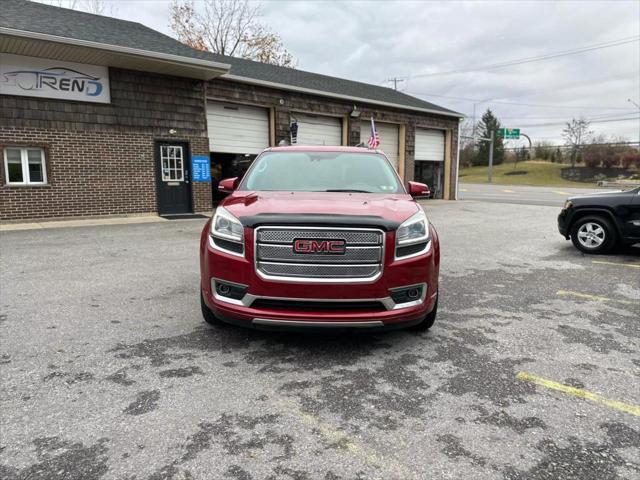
point(269, 304)
point(564, 219)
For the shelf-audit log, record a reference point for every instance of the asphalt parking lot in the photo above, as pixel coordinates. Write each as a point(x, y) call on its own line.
point(532, 370)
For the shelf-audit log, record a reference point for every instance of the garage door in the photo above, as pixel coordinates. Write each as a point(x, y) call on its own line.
point(237, 128)
point(389, 135)
point(318, 129)
point(429, 145)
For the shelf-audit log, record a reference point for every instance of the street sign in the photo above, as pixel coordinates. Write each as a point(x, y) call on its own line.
point(200, 168)
point(508, 133)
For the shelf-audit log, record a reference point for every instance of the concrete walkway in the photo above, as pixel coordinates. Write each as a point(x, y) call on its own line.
point(85, 222)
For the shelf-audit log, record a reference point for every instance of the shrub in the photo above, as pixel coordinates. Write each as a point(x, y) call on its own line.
point(630, 158)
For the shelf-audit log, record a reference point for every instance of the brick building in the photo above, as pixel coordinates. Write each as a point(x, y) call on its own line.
point(102, 116)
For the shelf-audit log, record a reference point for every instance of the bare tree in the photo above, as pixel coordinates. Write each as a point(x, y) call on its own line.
point(228, 27)
point(575, 134)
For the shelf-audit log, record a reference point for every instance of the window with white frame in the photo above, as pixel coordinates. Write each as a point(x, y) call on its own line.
point(25, 166)
point(172, 167)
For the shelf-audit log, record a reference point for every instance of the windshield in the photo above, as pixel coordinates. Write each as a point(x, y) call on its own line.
point(322, 172)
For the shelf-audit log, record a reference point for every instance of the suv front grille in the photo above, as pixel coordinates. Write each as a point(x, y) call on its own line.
point(361, 260)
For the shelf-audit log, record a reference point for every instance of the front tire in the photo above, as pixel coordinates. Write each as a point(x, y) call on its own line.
point(428, 321)
point(207, 314)
point(593, 234)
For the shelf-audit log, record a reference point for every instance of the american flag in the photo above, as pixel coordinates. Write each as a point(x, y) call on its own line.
point(374, 139)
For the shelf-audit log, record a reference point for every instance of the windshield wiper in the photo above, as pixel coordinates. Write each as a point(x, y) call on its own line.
point(347, 190)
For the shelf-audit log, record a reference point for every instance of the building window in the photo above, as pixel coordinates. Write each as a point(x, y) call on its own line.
point(25, 166)
point(172, 167)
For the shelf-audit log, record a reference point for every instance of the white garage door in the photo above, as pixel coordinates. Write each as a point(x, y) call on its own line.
point(318, 129)
point(429, 145)
point(237, 128)
point(389, 135)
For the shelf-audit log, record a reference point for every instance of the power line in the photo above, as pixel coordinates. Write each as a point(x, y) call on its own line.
point(592, 117)
point(608, 120)
point(539, 58)
point(519, 103)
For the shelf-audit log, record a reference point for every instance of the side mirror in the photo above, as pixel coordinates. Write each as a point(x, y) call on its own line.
point(228, 185)
point(417, 189)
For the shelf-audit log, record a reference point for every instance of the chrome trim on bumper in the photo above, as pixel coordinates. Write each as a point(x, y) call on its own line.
point(303, 323)
point(388, 302)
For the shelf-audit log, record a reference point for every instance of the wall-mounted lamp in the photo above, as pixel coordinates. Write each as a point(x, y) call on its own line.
point(355, 113)
point(172, 131)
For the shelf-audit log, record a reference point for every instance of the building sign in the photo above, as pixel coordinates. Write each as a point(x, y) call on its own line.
point(200, 168)
point(41, 77)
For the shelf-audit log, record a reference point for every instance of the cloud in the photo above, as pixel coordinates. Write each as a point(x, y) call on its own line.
point(373, 41)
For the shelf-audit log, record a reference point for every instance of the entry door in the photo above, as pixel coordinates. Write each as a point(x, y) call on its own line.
point(173, 179)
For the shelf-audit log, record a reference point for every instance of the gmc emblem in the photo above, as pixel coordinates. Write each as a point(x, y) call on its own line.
point(322, 247)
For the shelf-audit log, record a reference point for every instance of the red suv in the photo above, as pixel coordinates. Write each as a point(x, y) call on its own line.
point(320, 237)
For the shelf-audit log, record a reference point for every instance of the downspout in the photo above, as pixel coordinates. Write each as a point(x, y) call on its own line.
point(458, 159)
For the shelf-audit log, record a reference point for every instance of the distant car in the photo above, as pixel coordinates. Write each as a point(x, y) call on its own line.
point(597, 222)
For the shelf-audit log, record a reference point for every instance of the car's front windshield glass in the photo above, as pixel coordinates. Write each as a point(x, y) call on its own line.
point(322, 172)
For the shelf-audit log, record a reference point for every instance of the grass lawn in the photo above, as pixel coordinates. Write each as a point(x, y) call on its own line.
point(538, 173)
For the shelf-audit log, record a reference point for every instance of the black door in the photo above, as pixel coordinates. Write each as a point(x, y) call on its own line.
point(173, 180)
point(633, 222)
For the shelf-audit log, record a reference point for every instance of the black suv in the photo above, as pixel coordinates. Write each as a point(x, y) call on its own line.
point(597, 222)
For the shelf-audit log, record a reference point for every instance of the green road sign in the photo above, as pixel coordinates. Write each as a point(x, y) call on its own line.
point(508, 133)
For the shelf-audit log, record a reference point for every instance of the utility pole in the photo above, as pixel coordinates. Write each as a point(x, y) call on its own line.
point(491, 136)
point(638, 106)
point(395, 81)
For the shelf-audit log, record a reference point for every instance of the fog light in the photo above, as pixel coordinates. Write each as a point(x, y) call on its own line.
point(234, 291)
point(412, 293)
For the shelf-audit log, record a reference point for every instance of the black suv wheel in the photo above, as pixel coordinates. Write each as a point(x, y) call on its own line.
point(207, 314)
point(593, 234)
point(428, 321)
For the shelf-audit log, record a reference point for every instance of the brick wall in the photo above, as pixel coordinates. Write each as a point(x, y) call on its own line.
point(90, 173)
point(225, 90)
point(100, 158)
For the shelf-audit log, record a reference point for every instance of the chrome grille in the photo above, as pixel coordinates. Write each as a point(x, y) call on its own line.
point(285, 253)
point(362, 260)
point(352, 237)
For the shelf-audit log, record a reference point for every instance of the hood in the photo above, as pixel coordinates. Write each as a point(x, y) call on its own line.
point(602, 196)
point(338, 208)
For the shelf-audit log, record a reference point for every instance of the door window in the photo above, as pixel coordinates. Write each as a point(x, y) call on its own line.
point(172, 163)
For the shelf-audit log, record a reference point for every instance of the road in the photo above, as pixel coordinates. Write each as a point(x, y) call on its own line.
point(524, 195)
point(108, 371)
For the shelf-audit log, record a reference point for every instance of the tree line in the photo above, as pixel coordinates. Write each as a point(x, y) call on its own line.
point(581, 146)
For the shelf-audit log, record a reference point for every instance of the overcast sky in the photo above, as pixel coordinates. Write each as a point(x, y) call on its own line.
point(373, 41)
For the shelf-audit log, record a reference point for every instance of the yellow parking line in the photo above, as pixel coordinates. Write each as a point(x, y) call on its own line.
point(596, 298)
point(464, 190)
point(579, 393)
point(508, 191)
point(562, 193)
point(630, 265)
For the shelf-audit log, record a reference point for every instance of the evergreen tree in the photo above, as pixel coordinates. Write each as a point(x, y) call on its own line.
point(489, 123)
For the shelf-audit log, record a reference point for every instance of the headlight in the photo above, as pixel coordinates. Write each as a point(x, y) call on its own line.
point(224, 225)
point(412, 237)
point(227, 233)
point(413, 230)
